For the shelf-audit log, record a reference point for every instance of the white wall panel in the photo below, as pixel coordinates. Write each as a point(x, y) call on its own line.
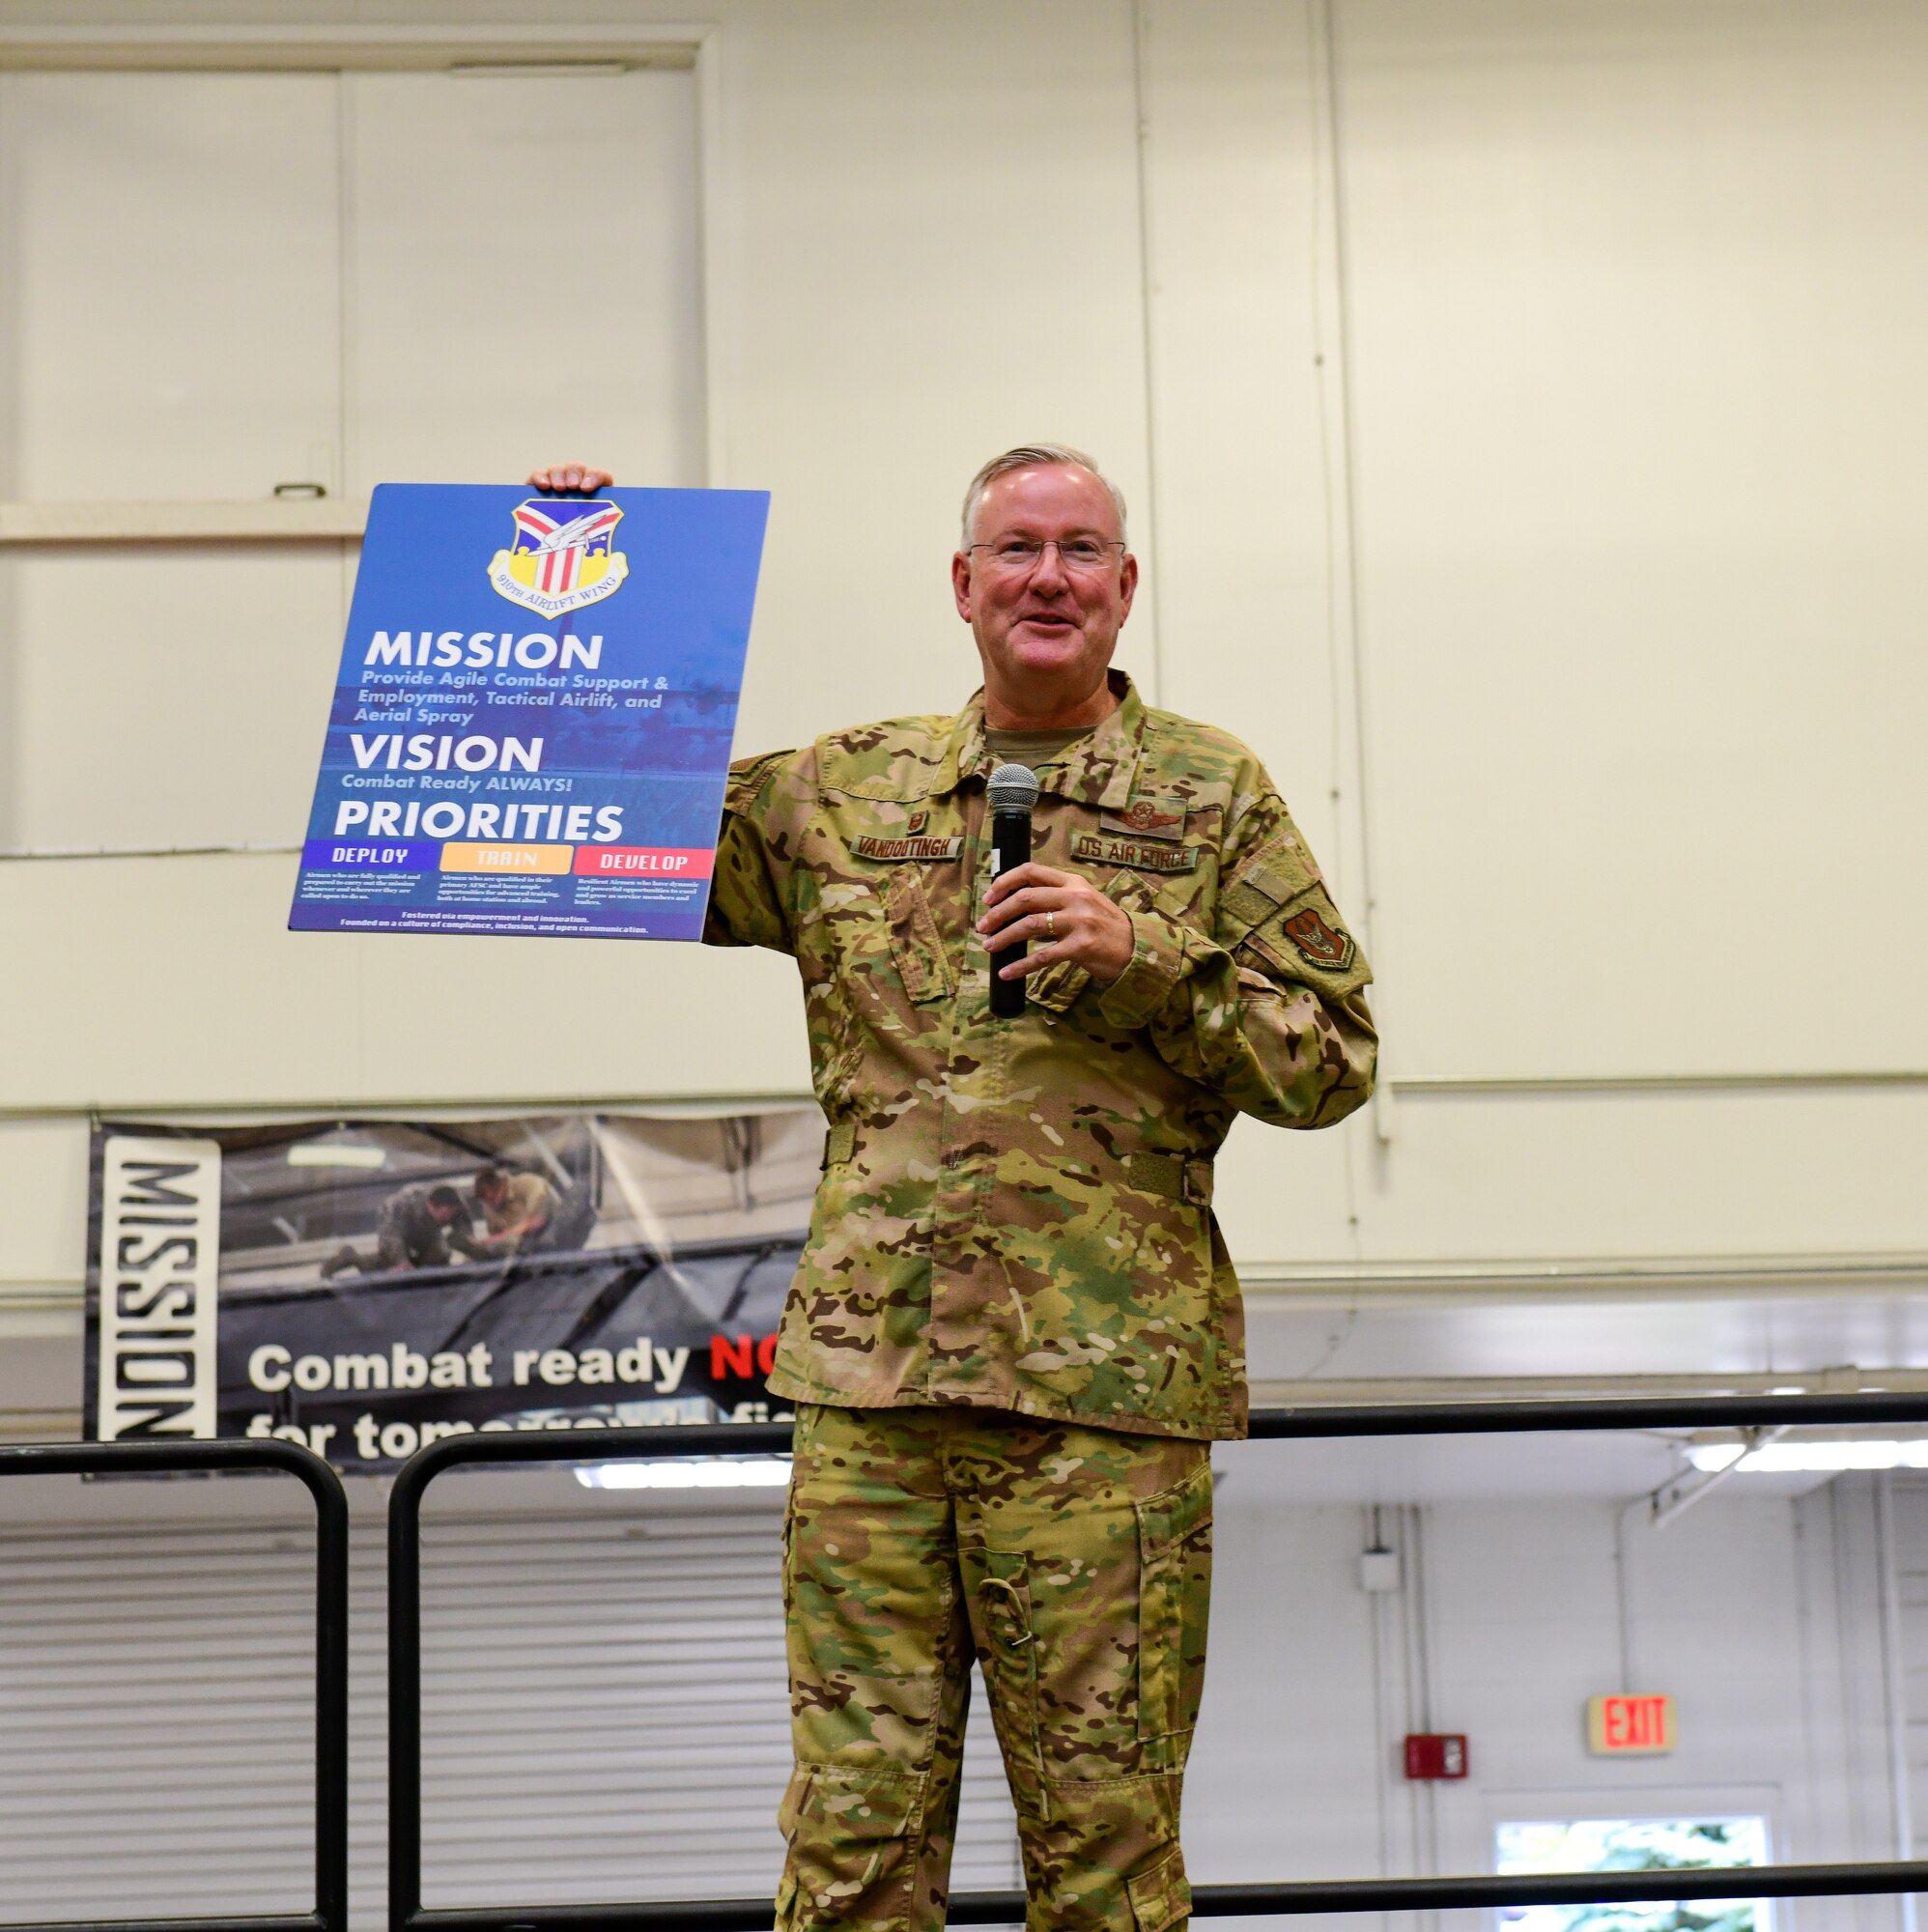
point(173, 246)
point(1634, 338)
point(933, 254)
point(171, 331)
point(1801, 1170)
point(1281, 1196)
point(169, 696)
point(226, 1002)
point(42, 1163)
point(523, 276)
point(1249, 540)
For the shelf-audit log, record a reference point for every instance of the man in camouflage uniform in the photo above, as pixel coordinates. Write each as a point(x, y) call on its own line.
point(417, 1226)
point(517, 1210)
point(1015, 1329)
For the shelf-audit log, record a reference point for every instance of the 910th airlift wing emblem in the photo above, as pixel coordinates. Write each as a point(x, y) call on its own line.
point(564, 555)
point(1322, 944)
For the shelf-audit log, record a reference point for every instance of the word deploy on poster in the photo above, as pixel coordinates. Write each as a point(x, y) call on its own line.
point(531, 724)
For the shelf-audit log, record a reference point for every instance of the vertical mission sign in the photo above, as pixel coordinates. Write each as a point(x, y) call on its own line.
point(152, 1273)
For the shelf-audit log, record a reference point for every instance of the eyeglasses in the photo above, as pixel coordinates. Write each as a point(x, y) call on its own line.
point(1020, 556)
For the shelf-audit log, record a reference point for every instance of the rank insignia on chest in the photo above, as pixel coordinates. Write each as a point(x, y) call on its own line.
point(1161, 818)
point(1145, 858)
point(1322, 944)
point(907, 847)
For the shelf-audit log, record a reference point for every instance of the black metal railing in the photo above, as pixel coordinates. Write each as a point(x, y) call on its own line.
point(1001, 1908)
point(153, 1458)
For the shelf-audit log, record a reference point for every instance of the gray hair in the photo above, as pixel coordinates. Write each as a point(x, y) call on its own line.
point(1029, 456)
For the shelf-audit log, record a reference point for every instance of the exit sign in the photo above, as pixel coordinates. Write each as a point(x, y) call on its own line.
point(1629, 1726)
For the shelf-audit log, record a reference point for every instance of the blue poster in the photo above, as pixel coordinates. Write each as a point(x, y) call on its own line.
point(531, 724)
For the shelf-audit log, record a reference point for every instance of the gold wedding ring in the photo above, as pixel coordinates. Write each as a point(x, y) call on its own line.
point(1050, 923)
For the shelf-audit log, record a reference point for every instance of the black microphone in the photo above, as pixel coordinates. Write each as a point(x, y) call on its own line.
point(1013, 791)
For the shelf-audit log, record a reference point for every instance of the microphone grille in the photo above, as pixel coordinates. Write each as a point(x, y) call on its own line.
point(1013, 788)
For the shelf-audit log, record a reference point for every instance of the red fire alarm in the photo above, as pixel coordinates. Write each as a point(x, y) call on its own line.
point(1436, 1754)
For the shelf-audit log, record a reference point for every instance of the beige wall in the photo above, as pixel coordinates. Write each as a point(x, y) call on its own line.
point(1520, 409)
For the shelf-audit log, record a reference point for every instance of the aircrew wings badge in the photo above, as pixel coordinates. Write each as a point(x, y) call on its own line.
point(1148, 818)
point(564, 555)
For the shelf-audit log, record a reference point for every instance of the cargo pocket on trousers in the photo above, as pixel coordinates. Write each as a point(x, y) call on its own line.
point(998, 1581)
point(1161, 1897)
point(851, 1832)
point(1174, 1599)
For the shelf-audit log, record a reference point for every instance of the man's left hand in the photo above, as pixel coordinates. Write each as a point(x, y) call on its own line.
point(1063, 916)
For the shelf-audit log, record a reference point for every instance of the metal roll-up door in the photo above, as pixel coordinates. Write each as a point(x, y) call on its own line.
point(603, 1713)
point(157, 1719)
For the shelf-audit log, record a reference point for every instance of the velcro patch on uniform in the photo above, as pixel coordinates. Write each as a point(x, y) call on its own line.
point(747, 779)
point(1322, 944)
point(1145, 858)
point(908, 848)
point(1148, 818)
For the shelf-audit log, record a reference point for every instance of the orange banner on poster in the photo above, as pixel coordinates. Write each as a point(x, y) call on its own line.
point(530, 860)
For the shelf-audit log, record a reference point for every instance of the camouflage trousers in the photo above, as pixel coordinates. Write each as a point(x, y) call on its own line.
point(1076, 1565)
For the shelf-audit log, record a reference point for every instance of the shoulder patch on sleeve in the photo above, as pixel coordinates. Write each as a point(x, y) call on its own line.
point(1280, 871)
point(1322, 942)
point(1306, 941)
point(894, 757)
point(747, 779)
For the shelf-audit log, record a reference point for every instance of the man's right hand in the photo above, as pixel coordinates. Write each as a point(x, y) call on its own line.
point(563, 479)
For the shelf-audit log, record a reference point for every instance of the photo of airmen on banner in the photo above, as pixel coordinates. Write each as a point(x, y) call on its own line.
point(366, 1287)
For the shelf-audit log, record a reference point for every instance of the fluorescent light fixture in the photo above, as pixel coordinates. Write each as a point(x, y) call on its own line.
point(1810, 1458)
point(337, 1153)
point(687, 1472)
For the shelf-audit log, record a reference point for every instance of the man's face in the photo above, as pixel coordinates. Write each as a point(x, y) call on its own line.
point(489, 1192)
point(1045, 631)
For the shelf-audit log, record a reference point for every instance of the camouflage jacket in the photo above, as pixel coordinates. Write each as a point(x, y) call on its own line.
point(405, 1220)
point(1017, 1213)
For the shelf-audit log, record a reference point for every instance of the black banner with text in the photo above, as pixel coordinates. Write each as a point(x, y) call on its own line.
point(368, 1286)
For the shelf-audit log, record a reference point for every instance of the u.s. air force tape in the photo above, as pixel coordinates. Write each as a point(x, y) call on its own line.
point(1132, 852)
